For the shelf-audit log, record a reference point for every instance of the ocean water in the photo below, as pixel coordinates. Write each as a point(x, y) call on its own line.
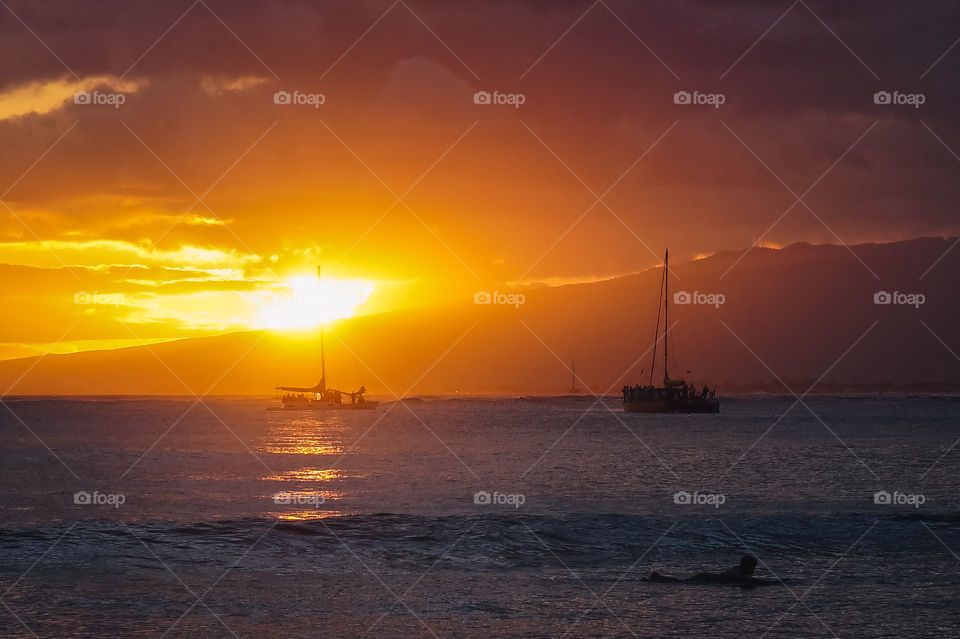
point(222, 519)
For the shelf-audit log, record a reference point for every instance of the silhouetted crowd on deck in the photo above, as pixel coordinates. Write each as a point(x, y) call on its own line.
point(329, 396)
point(684, 393)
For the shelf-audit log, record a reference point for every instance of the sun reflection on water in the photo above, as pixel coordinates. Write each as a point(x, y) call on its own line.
point(306, 515)
point(306, 437)
point(306, 474)
point(310, 480)
point(300, 505)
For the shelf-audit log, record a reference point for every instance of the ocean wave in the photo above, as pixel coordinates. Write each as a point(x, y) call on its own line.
point(476, 542)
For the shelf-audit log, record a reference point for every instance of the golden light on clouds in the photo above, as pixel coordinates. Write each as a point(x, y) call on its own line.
point(217, 85)
point(100, 253)
point(45, 96)
point(169, 291)
point(302, 302)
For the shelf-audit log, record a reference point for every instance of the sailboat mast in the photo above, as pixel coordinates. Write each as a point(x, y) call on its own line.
point(666, 310)
point(656, 330)
point(323, 359)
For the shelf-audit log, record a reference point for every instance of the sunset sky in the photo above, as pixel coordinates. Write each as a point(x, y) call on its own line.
point(200, 205)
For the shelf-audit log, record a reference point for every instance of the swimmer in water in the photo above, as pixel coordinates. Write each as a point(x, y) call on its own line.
point(741, 575)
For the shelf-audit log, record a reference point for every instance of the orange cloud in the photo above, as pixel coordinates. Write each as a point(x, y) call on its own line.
point(218, 85)
point(44, 96)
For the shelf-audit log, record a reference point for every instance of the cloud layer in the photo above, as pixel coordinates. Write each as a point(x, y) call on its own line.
point(395, 173)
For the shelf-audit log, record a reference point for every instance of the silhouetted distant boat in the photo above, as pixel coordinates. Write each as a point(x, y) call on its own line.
point(675, 396)
point(574, 389)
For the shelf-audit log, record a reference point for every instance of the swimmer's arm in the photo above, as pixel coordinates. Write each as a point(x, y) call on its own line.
point(657, 577)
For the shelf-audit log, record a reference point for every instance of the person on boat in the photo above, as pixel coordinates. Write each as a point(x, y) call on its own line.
point(741, 574)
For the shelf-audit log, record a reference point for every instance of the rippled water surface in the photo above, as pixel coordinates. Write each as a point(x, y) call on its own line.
point(222, 519)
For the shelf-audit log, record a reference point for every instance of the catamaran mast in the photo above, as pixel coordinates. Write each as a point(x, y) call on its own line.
point(656, 330)
point(666, 310)
point(323, 361)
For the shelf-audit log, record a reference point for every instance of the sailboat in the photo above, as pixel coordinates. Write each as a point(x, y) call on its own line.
point(675, 396)
point(319, 397)
point(574, 389)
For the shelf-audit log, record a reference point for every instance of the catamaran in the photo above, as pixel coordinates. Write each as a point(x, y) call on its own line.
point(319, 397)
point(675, 396)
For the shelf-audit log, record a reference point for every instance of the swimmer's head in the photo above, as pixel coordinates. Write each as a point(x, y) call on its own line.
point(748, 564)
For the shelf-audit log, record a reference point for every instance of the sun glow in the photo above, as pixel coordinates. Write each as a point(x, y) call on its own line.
point(305, 301)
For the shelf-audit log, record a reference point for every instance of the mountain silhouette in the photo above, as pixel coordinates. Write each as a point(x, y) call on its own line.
point(800, 314)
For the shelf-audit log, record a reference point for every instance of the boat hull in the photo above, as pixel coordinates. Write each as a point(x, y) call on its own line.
point(312, 406)
point(670, 406)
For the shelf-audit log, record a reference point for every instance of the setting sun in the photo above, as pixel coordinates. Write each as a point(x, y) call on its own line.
point(479, 319)
point(304, 301)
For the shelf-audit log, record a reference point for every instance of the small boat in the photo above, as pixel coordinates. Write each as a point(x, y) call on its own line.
point(574, 389)
point(675, 396)
point(319, 397)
